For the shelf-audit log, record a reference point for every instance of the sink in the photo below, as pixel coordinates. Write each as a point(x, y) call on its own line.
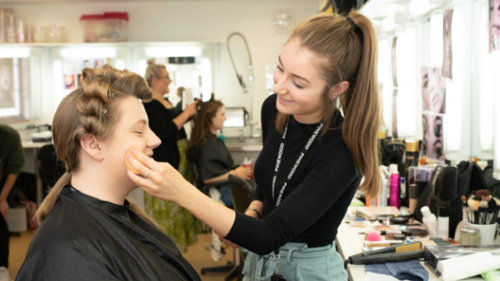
point(253, 140)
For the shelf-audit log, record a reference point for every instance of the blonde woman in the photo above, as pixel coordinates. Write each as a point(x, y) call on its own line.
point(167, 123)
point(88, 230)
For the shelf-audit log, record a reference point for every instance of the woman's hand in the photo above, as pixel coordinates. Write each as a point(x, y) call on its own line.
point(4, 208)
point(244, 172)
point(191, 108)
point(158, 179)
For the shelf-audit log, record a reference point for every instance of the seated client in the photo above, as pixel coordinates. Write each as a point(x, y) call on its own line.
point(209, 152)
point(88, 230)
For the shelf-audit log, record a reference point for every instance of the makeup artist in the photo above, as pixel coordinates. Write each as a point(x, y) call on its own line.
point(312, 160)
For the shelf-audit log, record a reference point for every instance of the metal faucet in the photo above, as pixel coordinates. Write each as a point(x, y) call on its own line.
point(242, 135)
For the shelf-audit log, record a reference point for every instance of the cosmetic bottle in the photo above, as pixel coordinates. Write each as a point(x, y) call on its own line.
point(221, 136)
point(443, 222)
point(383, 197)
point(429, 220)
point(394, 186)
point(411, 160)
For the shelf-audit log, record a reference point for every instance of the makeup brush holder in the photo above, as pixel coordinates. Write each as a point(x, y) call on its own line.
point(487, 232)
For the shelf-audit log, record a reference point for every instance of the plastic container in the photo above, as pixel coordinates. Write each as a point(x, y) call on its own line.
point(470, 236)
point(108, 27)
point(430, 221)
point(394, 186)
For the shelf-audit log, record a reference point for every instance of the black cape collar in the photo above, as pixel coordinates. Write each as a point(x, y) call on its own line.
point(108, 207)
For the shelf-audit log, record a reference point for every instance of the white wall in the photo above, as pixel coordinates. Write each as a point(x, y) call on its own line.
point(192, 21)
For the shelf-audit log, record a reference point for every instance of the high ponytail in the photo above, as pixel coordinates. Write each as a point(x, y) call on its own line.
point(349, 53)
point(362, 112)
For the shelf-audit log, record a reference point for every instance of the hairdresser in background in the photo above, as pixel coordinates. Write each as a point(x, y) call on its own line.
point(328, 59)
point(167, 123)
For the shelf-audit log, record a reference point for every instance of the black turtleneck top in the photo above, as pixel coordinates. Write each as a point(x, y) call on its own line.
point(316, 198)
point(84, 238)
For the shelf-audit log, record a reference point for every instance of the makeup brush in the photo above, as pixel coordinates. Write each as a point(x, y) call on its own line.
point(465, 209)
point(484, 193)
point(482, 210)
point(495, 214)
point(492, 207)
point(473, 206)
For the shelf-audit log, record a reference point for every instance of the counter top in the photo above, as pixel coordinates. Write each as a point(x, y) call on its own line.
point(349, 242)
point(30, 144)
point(248, 145)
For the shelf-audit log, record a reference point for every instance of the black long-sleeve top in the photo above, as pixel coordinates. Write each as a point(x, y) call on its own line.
point(160, 122)
point(316, 198)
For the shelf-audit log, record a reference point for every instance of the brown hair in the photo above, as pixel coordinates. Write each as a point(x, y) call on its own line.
point(90, 110)
point(349, 54)
point(180, 90)
point(153, 70)
point(202, 121)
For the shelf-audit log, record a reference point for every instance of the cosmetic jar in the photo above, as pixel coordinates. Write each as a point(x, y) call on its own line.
point(470, 237)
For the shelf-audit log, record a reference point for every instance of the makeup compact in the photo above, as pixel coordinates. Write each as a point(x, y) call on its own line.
point(385, 219)
point(414, 230)
point(398, 220)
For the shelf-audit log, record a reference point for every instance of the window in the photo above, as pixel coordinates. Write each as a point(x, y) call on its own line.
point(14, 89)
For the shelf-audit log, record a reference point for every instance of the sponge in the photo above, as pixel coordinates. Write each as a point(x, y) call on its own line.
point(373, 236)
point(129, 166)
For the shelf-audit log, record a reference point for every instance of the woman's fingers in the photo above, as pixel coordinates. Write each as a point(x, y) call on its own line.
point(139, 166)
point(148, 161)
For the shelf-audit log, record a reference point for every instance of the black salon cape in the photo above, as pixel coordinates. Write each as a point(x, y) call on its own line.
point(84, 238)
point(212, 158)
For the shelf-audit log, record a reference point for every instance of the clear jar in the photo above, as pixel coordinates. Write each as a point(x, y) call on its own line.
point(470, 236)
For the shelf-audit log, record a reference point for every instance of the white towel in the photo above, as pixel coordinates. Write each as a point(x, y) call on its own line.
point(216, 249)
point(467, 266)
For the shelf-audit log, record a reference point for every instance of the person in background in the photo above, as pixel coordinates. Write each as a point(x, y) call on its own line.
point(12, 161)
point(167, 123)
point(178, 106)
point(212, 158)
point(319, 134)
point(88, 230)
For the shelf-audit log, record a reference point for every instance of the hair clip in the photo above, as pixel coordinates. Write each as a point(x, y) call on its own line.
point(104, 111)
point(110, 94)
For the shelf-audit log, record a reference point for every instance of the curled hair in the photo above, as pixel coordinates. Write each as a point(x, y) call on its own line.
point(347, 53)
point(202, 122)
point(90, 109)
point(153, 70)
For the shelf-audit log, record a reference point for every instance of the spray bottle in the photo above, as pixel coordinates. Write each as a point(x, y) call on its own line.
point(430, 221)
point(383, 197)
point(394, 184)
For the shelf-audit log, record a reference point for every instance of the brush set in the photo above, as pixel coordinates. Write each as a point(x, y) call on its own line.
point(483, 208)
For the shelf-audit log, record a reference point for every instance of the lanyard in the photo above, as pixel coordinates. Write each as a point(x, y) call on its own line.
point(301, 156)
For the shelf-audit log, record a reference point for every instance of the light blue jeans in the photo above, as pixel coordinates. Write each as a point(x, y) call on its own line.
point(225, 195)
point(297, 263)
